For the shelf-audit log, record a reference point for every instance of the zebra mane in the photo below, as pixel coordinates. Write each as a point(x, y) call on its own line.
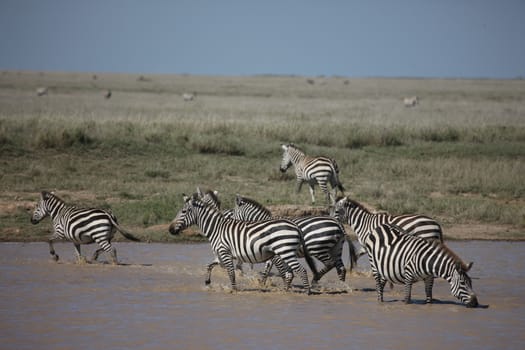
point(292, 145)
point(454, 256)
point(212, 194)
point(253, 203)
point(357, 204)
point(47, 195)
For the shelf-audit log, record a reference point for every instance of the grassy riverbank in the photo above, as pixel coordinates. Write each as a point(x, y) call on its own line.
point(458, 156)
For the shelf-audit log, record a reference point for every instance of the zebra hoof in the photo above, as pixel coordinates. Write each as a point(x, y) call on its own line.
point(207, 282)
point(54, 257)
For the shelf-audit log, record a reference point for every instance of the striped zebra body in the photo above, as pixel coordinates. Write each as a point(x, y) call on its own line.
point(362, 221)
point(248, 242)
point(313, 170)
point(79, 225)
point(323, 236)
point(397, 257)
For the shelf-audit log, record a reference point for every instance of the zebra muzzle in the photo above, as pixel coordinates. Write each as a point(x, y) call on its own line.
point(175, 229)
point(473, 301)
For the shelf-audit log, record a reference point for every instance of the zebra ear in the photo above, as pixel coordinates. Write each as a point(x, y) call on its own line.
point(45, 195)
point(199, 192)
point(216, 193)
point(284, 147)
point(469, 266)
point(185, 198)
point(238, 199)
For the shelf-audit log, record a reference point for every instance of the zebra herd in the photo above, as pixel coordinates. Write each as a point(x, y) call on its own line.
point(401, 249)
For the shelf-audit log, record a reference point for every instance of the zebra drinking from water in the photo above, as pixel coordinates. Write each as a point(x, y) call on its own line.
point(79, 225)
point(279, 240)
point(397, 257)
point(323, 236)
point(363, 222)
point(320, 170)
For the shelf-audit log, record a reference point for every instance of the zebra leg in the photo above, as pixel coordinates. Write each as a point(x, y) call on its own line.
point(238, 266)
point(283, 269)
point(298, 269)
point(266, 272)
point(341, 270)
point(380, 286)
point(113, 255)
point(52, 250)
point(324, 187)
point(80, 258)
point(108, 248)
point(227, 261)
point(408, 291)
point(209, 268)
point(429, 283)
point(312, 192)
point(329, 264)
point(96, 254)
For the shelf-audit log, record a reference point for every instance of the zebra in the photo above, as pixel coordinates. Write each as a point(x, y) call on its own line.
point(79, 225)
point(323, 236)
point(278, 240)
point(320, 170)
point(363, 221)
point(405, 259)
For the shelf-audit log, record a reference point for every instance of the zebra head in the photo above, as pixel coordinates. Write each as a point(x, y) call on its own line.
point(341, 209)
point(345, 210)
point(185, 217)
point(247, 209)
point(209, 197)
point(43, 208)
point(286, 162)
point(461, 285)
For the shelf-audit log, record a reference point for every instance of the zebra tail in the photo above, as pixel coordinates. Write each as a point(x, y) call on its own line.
point(125, 233)
point(351, 253)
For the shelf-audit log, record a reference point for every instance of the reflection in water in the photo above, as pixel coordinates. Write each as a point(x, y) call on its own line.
point(157, 300)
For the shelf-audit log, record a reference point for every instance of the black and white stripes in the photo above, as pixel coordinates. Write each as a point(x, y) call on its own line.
point(313, 170)
point(397, 257)
point(323, 235)
point(79, 225)
point(363, 221)
point(256, 242)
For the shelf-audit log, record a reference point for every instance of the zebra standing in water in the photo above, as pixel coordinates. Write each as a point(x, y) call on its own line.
point(279, 240)
point(397, 257)
point(323, 236)
point(363, 221)
point(79, 225)
point(320, 170)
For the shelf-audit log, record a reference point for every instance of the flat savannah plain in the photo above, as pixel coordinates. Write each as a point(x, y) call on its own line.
point(458, 156)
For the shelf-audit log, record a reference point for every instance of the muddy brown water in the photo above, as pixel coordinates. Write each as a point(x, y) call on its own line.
point(157, 300)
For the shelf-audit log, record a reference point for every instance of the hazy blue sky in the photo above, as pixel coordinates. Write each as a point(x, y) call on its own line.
point(438, 38)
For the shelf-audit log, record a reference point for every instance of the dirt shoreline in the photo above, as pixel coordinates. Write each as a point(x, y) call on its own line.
point(155, 233)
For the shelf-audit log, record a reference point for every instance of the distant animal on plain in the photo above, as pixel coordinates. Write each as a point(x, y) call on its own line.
point(41, 91)
point(411, 101)
point(188, 97)
point(108, 94)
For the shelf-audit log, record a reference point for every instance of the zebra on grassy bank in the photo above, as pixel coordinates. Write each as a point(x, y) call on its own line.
point(323, 236)
point(397, 257)
point(79, 225)
point(279, 240)
point(313, 170)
